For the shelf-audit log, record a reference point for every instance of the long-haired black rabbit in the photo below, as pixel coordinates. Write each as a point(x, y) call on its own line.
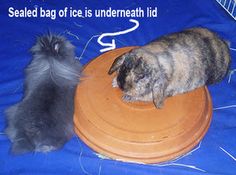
point(43, 120)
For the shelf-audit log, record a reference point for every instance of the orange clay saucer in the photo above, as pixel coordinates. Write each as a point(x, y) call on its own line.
point(137, 131)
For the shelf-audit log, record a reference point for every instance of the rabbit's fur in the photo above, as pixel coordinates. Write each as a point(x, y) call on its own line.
point(173, 64)
point(43, 120)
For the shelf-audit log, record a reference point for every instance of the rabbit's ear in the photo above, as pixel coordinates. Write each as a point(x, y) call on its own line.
point(158, 93)
point(116, 64)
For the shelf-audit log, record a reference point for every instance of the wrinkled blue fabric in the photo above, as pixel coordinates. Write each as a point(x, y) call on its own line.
point(17, 35)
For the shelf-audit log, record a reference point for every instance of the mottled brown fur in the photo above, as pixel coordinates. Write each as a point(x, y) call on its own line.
point(173, 64)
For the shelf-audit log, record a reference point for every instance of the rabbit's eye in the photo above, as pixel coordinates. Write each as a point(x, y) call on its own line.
point(139, 77)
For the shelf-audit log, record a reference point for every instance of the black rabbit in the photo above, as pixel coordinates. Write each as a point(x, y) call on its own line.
point(43, 120)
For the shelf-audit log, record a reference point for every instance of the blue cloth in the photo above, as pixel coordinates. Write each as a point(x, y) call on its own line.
point(17, 35)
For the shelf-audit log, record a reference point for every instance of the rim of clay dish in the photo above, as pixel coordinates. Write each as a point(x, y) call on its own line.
point(136, 132)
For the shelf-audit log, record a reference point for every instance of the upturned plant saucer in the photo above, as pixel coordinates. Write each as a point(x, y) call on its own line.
point(136, 131)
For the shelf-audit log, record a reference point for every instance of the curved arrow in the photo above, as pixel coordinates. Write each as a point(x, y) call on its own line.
point(112, 45)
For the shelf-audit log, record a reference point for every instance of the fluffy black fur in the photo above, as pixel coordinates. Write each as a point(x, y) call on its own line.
point(43, 120)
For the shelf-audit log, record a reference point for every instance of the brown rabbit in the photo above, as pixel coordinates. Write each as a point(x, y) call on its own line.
point(173, 64)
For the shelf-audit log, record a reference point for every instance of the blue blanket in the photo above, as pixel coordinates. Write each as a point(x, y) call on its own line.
point(216, 154)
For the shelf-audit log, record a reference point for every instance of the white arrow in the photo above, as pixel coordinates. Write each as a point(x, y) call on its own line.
point(112, 45)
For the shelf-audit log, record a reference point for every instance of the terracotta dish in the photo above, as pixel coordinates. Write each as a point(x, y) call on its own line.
point(137, 132)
